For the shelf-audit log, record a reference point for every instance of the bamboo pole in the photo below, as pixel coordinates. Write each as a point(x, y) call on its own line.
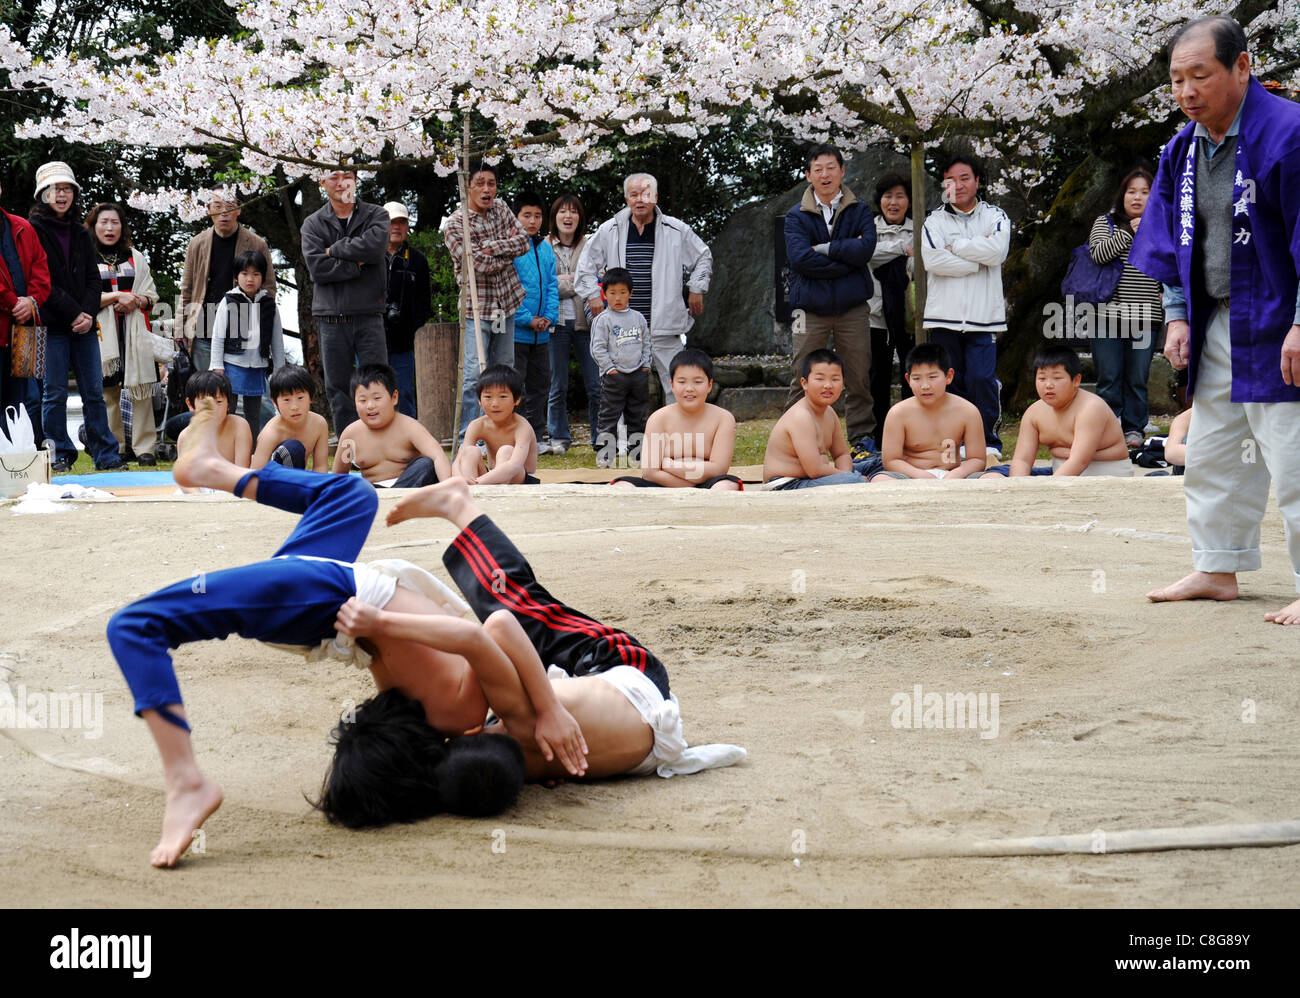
point(471, 281)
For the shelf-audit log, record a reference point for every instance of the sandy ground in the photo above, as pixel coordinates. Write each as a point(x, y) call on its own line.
point(790, 623)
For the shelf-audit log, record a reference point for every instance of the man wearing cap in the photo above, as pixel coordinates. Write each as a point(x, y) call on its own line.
point(344, 245)
point(209, 275)
point(72, 338)
point(24, 287)
point(408, 303)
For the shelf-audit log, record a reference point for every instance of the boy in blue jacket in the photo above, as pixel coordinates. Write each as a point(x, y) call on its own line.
point(537, 313)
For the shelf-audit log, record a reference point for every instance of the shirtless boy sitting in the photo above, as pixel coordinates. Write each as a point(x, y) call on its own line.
point(689, 443)
point(807, 445)
point(1080, 430)
point(391, 450)
point(234, 438)
point(924, 434)
point(510, 440)
point(295, 433)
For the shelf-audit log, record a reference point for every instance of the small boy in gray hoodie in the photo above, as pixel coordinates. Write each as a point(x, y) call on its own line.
point(621, 349)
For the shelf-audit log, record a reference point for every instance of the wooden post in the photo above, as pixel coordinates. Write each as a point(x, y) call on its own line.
point(437, 376)
point(918, 220)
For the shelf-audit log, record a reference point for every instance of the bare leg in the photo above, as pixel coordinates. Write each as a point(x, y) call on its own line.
point(469, 462)
point(725, 486)
point(191, 796)
point(1289, 614)
point(449, 500)
point(202, 464)
point(1198, 585)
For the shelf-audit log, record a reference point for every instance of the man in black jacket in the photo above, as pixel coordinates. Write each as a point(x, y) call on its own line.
point(408, 303)
point(69, 317)
point(343, 244)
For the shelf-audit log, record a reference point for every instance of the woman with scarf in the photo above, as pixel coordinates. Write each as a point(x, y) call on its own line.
point(127, 292)
point(891, 266)
point(69, 316)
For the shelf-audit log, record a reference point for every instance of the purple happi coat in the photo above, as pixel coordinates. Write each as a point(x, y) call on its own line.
point(1265, 242)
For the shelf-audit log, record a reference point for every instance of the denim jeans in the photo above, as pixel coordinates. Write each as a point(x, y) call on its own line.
point(80, 351)
point(404, 365)
point(1123, 359)
point(356, 340)
point(557, 413)
point(841, 478)
point(500, 350)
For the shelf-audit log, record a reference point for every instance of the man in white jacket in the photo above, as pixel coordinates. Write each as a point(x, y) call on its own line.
point(964, 245)
point(658, 250)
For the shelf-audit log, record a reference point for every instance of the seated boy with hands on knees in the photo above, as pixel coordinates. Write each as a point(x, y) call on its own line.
point(295, 432)
point(234, 438)
point(391, 450)
point(511, 442)
point(1080, 430)
point(924, 435)
point(807, 445)
point(690, 443)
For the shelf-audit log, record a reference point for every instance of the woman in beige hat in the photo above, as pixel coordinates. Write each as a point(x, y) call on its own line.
point(69, 316)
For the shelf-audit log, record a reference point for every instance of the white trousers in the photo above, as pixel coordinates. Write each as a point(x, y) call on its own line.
point(1233, 451)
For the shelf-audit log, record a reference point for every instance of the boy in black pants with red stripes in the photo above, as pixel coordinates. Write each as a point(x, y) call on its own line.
point(493, 575)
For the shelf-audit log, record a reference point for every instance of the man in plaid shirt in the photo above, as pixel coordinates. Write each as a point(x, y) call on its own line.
point(496, 238)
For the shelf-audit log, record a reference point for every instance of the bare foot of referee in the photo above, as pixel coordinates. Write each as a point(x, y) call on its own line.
point(1198, 585)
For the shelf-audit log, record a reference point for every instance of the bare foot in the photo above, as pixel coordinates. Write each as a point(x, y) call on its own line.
point(449, 500)
point(1289, 614)
point(187, 808)
point(201, 458)
point(1198, 585)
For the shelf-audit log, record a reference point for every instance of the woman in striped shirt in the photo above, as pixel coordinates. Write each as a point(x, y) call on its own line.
point(1127, 326)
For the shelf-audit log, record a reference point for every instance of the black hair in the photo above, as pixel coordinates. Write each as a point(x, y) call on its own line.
point(691, 357)
point(249, 260)
point(1054, 354)
point(962, 157)
point(204, 383)
point(568, 201)
point(820, 357)
point(124, 240)
point(479, 166)
point(1229, 38)
point(373, 374)
point(887, 183)
point(927, 353)
point(819, 150)
point(292, 378)
point(1118, 212)
point(618, 275)
point(391, 766)
point(528, 199)
point(500, 375)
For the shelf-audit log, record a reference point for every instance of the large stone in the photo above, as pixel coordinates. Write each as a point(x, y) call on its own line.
point(740, 308)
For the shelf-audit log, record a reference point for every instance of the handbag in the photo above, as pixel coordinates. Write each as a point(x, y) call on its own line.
point(1090, 282)
point(27, 343)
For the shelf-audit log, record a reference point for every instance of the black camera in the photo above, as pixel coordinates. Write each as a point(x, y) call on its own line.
point(393, 312)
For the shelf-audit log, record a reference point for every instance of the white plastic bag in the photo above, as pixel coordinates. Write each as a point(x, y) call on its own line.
point(22, 438)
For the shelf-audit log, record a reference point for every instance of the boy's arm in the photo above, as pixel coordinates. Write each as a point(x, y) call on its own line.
point(320, 452)
point(892, 442)
point(422, 440)
point(1176, 442)
point(344, 453)
point(243, 443)
point(654, 466)
point(493, 664)
point(1026, 444)
point(1089, 426)
point(722, 447)
point(266, 441)
point(803, 438)
point(600, 344)
point(976, 452)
